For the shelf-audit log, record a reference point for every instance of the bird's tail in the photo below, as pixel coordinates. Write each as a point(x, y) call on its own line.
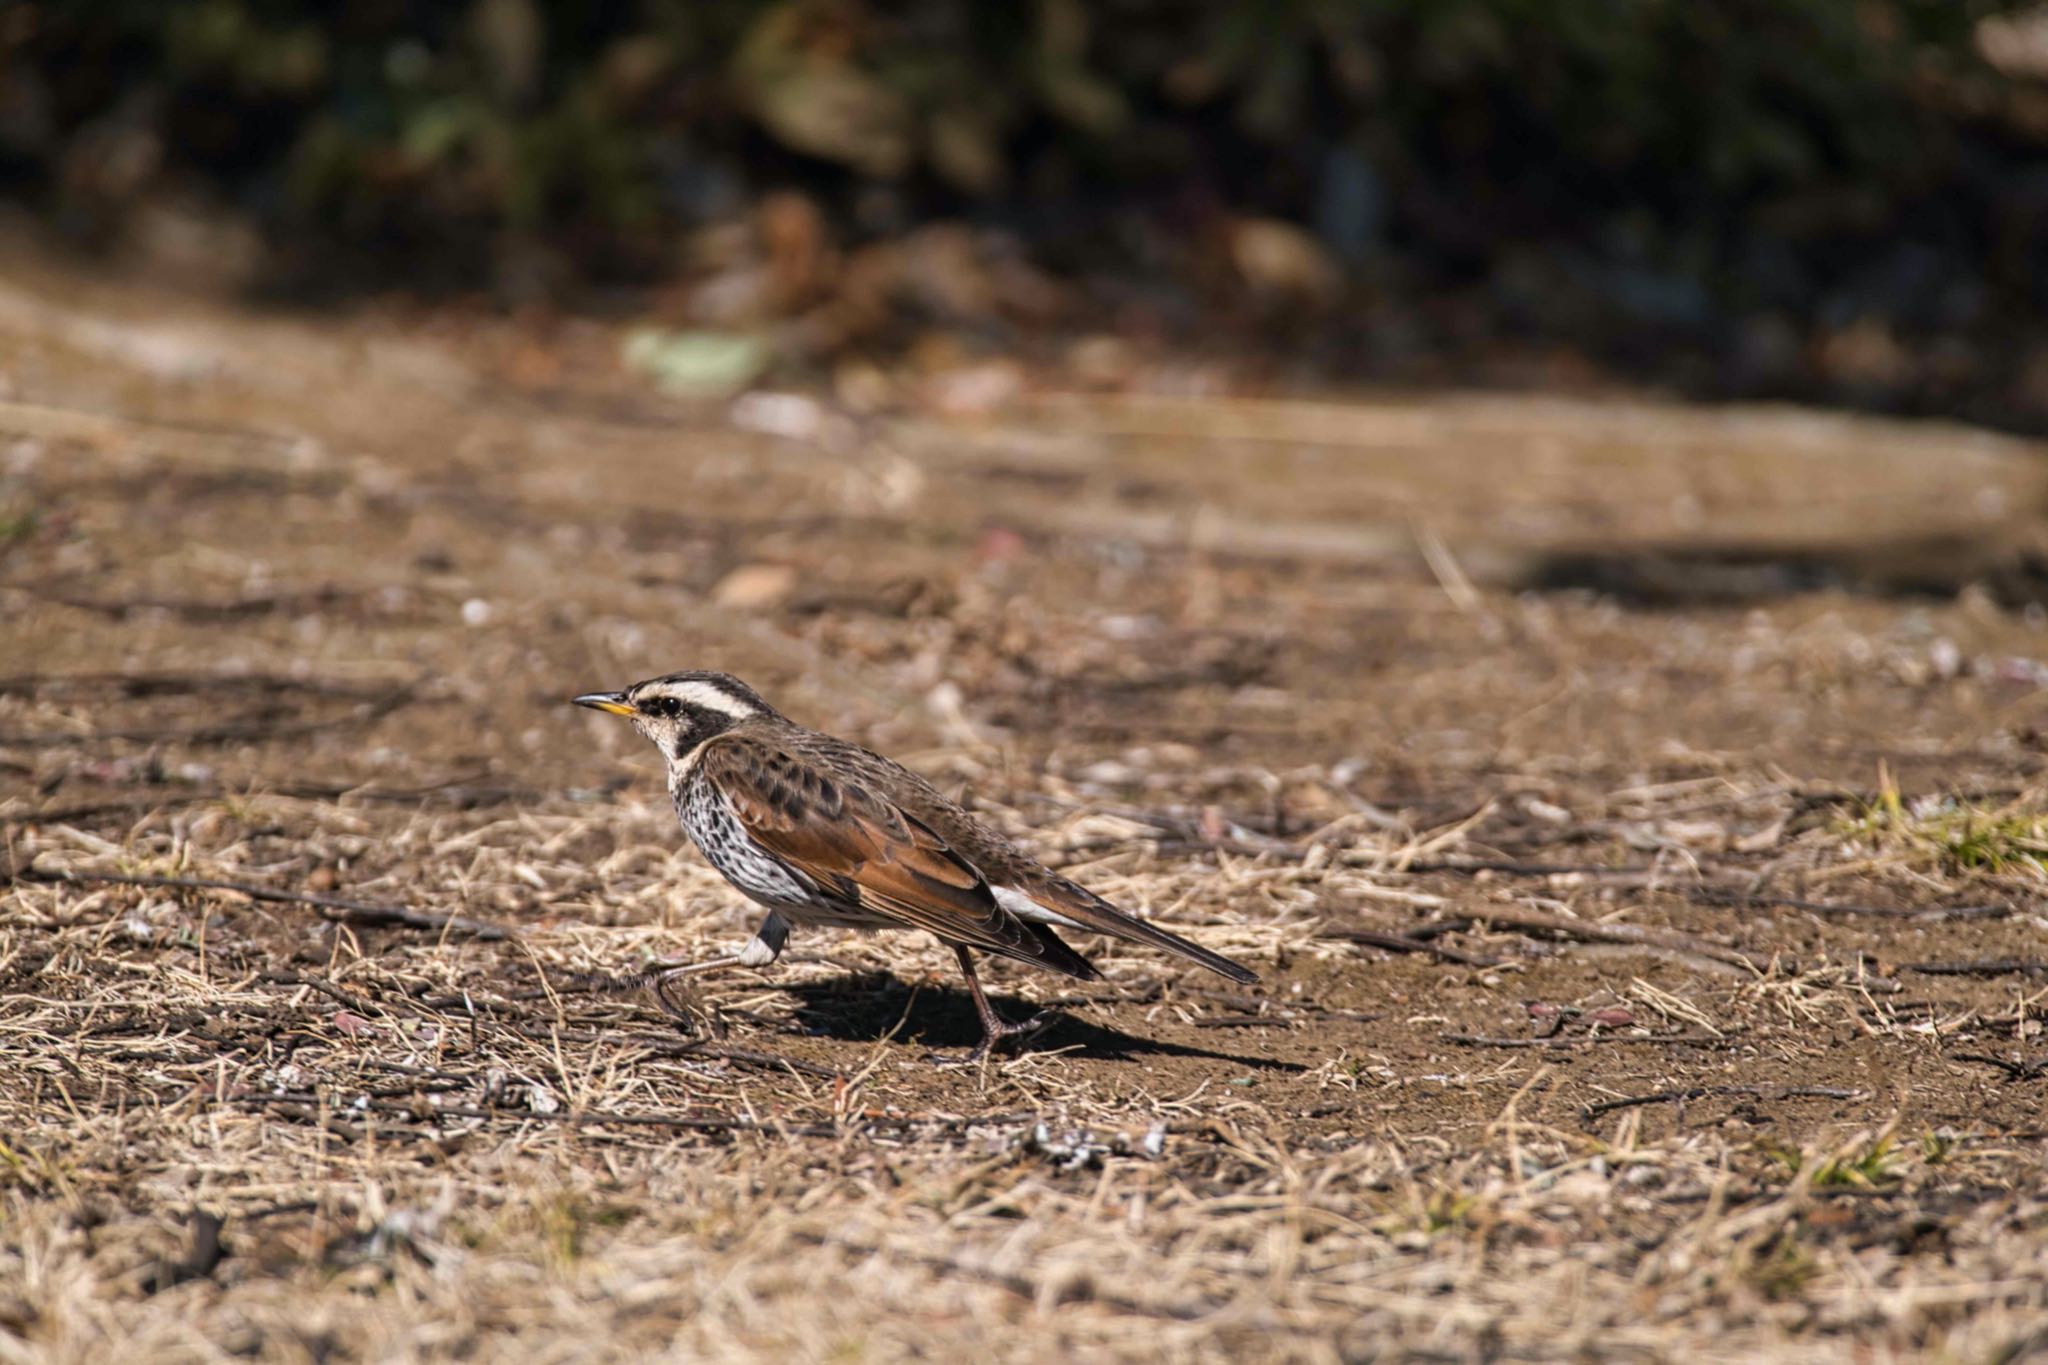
point(1083, 908)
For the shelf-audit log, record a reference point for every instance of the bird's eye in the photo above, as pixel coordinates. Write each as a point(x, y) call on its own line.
point(667, 707)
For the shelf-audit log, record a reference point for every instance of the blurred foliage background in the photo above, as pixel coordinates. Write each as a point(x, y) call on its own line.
point(1837, 198)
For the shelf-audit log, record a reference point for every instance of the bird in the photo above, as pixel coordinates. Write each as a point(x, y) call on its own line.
point(821, 831)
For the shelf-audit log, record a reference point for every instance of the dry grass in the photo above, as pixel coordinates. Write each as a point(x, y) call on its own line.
point(422, 1146)
point(1637, 985)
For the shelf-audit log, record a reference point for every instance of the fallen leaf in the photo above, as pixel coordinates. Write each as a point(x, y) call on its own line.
point(751, 587)
point(1281, 259)
point(352, 1025)
point(696, 363)
point(998, 545)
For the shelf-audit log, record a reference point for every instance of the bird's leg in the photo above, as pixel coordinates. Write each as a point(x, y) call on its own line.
point(766, 945)
point(666, 980)
point(762, 949)
point(993, 1029)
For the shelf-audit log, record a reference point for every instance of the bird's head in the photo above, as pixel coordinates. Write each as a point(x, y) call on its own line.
point(682, 710)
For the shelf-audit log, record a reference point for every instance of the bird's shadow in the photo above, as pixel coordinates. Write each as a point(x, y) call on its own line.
point(868, 1006)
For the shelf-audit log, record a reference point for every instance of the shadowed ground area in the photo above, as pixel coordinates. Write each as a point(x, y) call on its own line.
point(1640, 849)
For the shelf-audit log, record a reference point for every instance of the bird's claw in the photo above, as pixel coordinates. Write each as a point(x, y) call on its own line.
point(672, 994)
point(999, 1036)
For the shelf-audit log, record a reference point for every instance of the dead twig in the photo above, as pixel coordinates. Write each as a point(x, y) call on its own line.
point(768, 1061)
point(1988, 966)
point(458, 792)
point(218, 734)
point(182, 684)
point(303, 1107)
point(1397, 943)
point(1522, 869)
point(314, 983)
point(212, 609)
point(1713, 896)
point(2014, 1071)
point(1244, 1021)
point(349, 912)
point(684, 1049)
point(1587, 1039)
point(1820, 1092)
point(1637, 935)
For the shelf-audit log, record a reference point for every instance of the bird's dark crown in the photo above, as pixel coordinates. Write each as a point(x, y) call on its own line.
point(679, 711)
point(703, 689)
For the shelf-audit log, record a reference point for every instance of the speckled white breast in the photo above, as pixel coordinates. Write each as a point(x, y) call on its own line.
point(709, 820)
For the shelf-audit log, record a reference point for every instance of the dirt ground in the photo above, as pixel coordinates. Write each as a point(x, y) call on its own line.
point(1635, 814)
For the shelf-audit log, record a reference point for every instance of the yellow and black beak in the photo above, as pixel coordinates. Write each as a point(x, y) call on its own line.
point(614, 702)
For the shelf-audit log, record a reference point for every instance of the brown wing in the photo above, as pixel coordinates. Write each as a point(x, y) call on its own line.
point(865, 850)
point(1001, 863)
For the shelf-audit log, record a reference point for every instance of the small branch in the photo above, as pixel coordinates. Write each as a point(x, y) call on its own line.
point(1244, 1021)
point(1588, 1039)
point(680, 1049)
point(217, 734)
point(1819, 1092)
point(348, 912)
point(1711, 896)
point(1988, 966)
point(1520, 869)
point(307, 1110)
point(769, 1061)
point(303, 1106)
point(64, 815)
point(1397, 943)
point(2014, 1071)
point(314, 983)
point(1144, 992)
point(212, 609)
point(464, 798)
point(181, 684)
point(1636, 935)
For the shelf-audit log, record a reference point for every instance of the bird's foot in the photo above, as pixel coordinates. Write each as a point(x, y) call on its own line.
point(997, 1036)
point(678, 1002)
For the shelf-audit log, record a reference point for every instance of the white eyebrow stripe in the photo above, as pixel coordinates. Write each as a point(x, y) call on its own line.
point(710, 696)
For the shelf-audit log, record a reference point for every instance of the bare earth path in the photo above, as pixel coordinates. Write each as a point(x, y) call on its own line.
point(1636, 815)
